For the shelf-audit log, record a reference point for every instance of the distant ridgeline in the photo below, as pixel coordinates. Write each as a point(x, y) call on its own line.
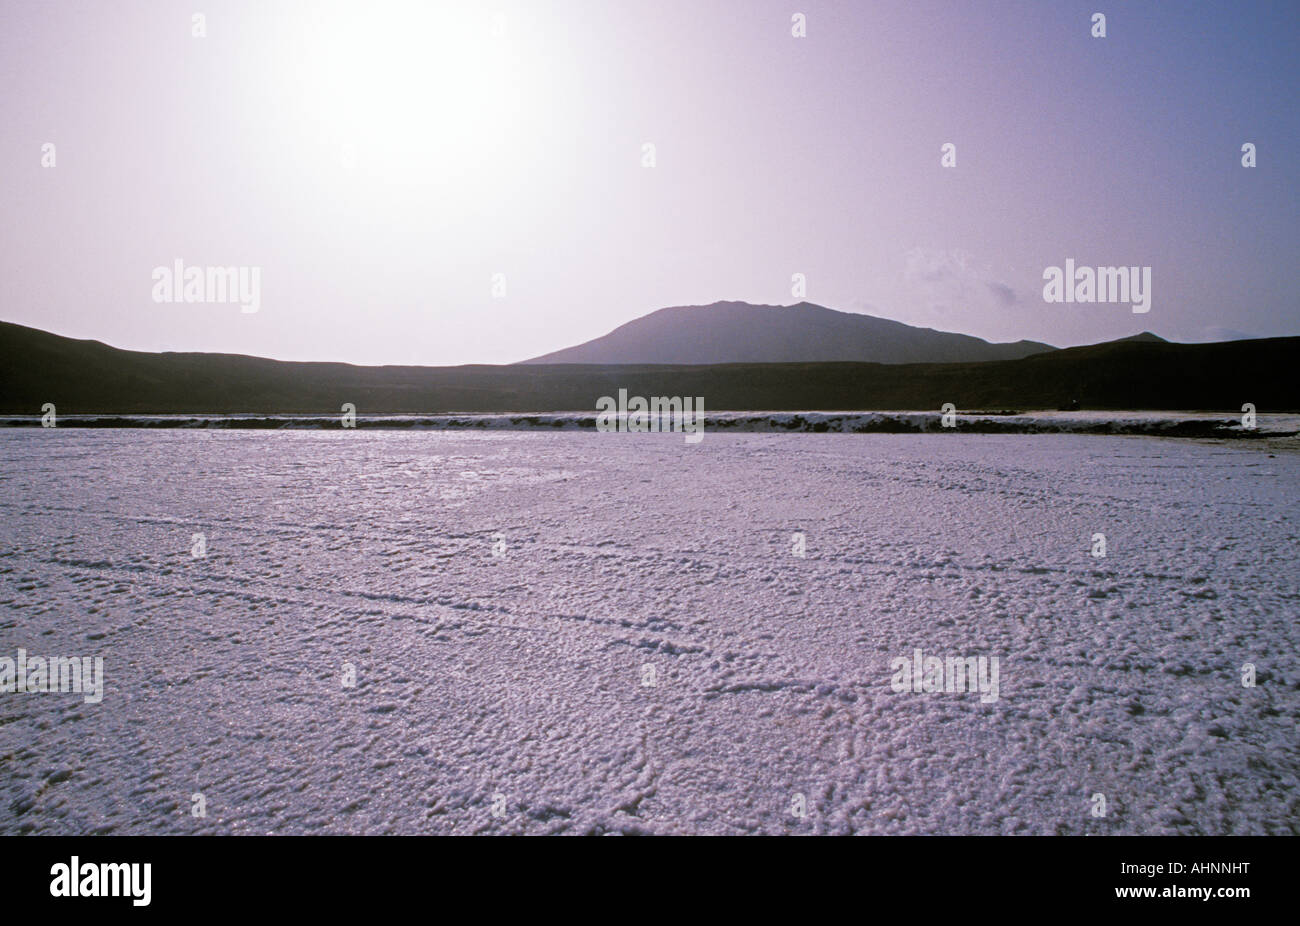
point(87, 377)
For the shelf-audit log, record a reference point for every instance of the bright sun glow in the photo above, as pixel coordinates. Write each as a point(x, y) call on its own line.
point(437, 87)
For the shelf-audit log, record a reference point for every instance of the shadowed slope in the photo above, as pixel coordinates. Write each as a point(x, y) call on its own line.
point(737, 332)
point(87, 376)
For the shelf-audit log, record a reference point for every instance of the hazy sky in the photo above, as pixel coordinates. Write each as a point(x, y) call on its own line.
point(380, 161)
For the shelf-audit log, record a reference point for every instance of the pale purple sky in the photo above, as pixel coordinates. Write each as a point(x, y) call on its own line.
point(477, 150)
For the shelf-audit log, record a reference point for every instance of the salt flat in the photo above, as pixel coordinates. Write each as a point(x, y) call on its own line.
point(499, 596)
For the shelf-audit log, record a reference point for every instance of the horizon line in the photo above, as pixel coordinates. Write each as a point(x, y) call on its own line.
point(526, 360)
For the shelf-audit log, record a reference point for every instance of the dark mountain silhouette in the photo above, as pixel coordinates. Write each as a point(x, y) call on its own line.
point(737, 332)
point(1145, 336)
point(78, 376)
